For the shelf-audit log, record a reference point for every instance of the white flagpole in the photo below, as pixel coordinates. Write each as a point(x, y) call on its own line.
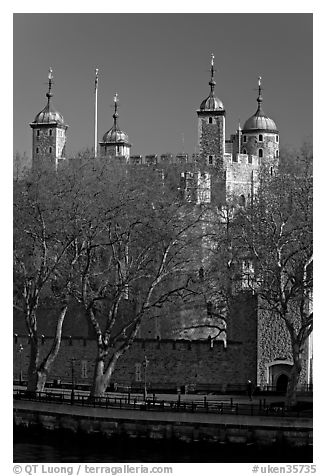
point(95, 132)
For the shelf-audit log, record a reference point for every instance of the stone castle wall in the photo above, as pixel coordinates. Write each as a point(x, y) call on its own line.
point(173, 360)
point(212, 138)
point(171, 363)
point(274, 348)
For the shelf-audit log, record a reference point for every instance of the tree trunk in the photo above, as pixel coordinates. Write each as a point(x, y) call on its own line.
point(42, 375)
point(32, 376)
point(38, 373)
point(291, 394)
point(102, 375)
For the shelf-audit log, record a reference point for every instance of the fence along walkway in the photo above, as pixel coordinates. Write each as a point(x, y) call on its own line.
point(137, 402)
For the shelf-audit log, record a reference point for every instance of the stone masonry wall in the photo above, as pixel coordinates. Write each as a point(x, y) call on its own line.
point(212, 138)
point(171, 362)
point(274, 345)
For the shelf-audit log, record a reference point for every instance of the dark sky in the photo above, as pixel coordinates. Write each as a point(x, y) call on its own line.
point(159, 65)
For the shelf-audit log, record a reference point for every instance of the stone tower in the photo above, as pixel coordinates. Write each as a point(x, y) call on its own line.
point(260, 136)
point(49, 136)
point(211, 127)
point(115, 142)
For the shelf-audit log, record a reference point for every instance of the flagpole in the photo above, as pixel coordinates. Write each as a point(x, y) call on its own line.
point(95, 122)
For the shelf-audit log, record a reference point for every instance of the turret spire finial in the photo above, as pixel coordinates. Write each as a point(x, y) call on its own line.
point(212, 82)
point(115, 114)
point(260, 97)
point(50, 78)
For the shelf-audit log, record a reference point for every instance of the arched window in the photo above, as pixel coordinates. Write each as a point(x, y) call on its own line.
point(210, 160)
point(271, 171)
point(50, 150)
point(260, 153)
point(244, 138)
point(244, 151)
point(37, 150)
point(242, 200)
point(260, 137)
point(210, 120)
point(50, 132)
point(276, 153)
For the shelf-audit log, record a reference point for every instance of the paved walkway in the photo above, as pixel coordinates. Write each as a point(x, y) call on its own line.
point(225, 398)
point(166, 416)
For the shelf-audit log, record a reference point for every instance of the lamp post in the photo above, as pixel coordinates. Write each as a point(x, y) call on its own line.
point(72, 380)
point(20, 350)
point(145, 365)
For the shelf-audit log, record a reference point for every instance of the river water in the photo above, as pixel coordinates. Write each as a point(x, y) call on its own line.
point(31, 447)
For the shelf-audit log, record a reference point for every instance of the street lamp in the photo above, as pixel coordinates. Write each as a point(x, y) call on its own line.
point(20, 350)
point(145, 365)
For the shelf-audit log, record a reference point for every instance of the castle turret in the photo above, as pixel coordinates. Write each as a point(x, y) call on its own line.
point(115, 142)
point(260, 136)
point(211, 125)
point(49, 135)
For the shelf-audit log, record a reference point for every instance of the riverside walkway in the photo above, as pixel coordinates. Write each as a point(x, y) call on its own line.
point(156, 416)
point(213, 420)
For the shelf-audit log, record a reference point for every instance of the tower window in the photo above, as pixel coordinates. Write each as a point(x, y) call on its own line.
point(244, 138)
point(276, 138)
point(210, 160)
point(260, 137)
point(242, 200)
point(260, 153)
point(50, 150)
point(271, 171)
point(276, 153)
point(38, 133)
point(37, 150)
point(244, 151)
point(210, 120)
point(50, 132)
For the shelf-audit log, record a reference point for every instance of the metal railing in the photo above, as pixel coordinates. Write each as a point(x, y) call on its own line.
point(172, 387)
point(137, 402)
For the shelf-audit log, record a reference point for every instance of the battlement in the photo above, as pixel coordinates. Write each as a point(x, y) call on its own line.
point(243, 159)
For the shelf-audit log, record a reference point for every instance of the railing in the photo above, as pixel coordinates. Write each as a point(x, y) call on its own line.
point(173, 387)
point(136, 402)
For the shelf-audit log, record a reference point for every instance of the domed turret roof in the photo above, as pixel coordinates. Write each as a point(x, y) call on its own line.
point(49, 115)
point(115, 134)
point(212, 103)
point(259, 121)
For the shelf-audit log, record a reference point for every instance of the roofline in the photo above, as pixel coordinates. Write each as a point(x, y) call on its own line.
point(209, 112)
point(33, 125)
point(270, 131)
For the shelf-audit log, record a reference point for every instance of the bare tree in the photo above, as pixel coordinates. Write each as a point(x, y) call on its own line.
point(277, 232)
point(43, 234)
point(136, 257)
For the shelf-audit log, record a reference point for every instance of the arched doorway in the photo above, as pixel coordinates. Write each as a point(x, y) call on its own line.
point(282, 383)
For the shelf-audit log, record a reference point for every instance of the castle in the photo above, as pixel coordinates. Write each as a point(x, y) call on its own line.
point(228, 166)
point(224, 170)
